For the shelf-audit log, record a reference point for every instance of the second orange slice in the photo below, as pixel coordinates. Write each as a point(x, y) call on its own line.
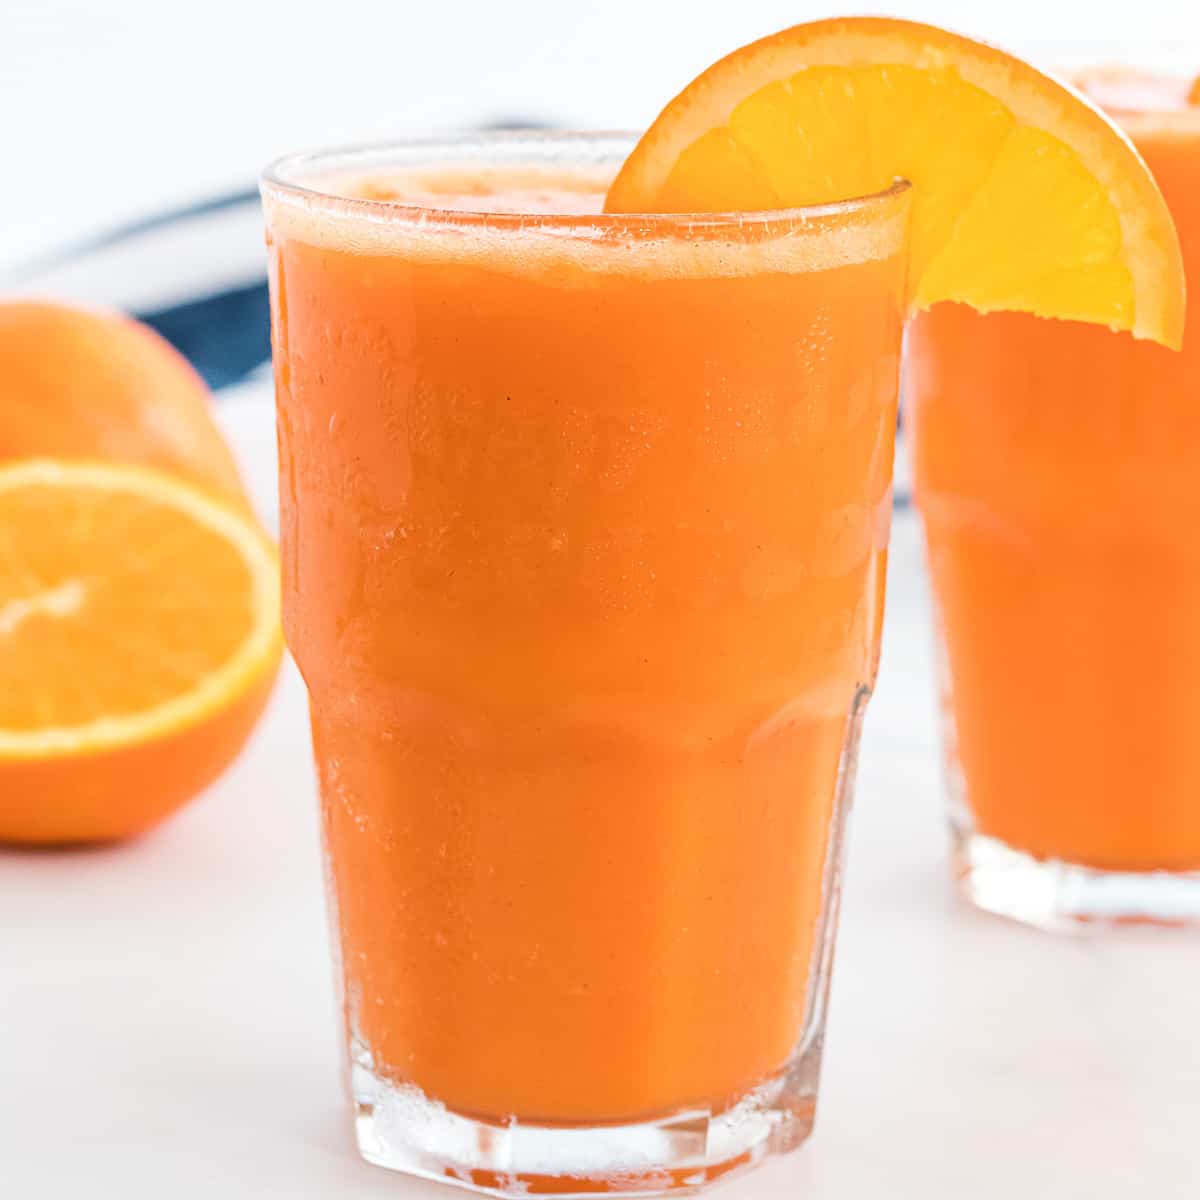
point(1025, 196)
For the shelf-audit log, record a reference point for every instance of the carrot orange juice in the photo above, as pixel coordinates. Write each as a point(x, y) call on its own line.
point(583, 524)
point(1058, 475)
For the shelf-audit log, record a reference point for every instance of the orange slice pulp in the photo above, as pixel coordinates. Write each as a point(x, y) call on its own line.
point(1025, 196)
point(139, 636)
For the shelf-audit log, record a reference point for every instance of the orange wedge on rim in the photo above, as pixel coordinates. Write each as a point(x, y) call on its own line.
point(1025, 196)
point(139, 638)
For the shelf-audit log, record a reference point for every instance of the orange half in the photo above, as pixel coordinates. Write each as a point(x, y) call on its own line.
point(139, 637)
point(1025, 196)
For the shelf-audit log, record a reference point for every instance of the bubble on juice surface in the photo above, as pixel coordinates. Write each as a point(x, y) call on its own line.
point(515, 191)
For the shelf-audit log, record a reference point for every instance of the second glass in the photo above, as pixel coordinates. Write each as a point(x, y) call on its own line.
point(584, 525)
point(1056, 474)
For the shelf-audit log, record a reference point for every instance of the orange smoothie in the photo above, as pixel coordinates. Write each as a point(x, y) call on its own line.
point(584, 524)
point(1057, 470)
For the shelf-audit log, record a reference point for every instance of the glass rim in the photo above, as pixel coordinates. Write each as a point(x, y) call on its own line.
point(285, 178)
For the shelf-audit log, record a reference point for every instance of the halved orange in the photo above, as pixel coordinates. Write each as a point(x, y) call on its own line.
point(139, 637)
point(1025, 196)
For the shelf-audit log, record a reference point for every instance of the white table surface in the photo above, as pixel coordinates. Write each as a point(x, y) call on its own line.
point(167, 1024)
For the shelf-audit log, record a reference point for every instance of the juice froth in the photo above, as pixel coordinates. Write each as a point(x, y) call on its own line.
point(531, 192)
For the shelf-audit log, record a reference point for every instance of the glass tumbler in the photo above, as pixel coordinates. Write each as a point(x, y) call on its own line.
point(584, 527)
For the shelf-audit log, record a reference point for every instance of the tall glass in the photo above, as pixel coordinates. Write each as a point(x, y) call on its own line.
point(584, 526)
point(1057, 470)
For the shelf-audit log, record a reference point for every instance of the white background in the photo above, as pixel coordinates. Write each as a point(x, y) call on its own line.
point(110, 108)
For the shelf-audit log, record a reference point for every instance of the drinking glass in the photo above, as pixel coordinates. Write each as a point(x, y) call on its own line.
point(1055, 470)
point(584, 527)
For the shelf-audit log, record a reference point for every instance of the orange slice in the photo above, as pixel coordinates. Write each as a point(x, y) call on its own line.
point(139, 636)
point(1024, 195)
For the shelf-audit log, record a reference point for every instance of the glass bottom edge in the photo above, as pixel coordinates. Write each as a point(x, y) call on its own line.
point(401, 1129)
point(1061, 896)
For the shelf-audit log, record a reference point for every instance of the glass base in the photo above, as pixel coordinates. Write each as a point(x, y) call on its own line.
point(400, 1128)
point(1064, 896)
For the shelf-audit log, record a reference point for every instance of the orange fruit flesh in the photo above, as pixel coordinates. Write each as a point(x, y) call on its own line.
point(1025, 197)
point(60, 672)
point(1055, 468)
point(138, 625)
